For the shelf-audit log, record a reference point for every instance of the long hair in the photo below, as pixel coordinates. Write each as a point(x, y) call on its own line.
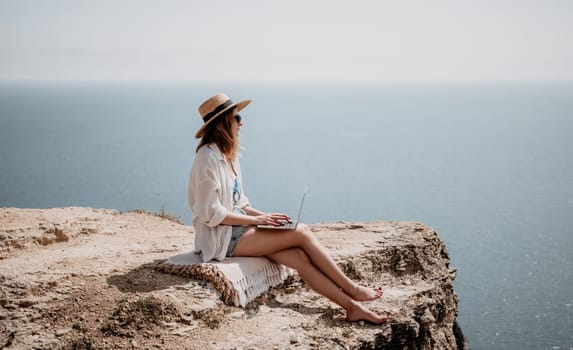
point(220, 132)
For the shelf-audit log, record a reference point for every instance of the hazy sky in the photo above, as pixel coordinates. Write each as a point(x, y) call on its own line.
point(286, 40)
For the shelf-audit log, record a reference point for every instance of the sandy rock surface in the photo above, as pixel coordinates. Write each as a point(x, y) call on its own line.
point(83, 278)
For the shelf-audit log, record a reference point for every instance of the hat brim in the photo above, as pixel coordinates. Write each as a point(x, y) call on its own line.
point(240, 106)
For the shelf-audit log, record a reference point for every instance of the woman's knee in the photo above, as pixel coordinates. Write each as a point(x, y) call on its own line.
point(303, 227)
point(295, 258)
point(304, 233)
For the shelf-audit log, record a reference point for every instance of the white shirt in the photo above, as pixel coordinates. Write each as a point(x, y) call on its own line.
point(210, 195)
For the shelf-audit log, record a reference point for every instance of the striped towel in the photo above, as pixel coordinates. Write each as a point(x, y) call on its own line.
point(239, 280)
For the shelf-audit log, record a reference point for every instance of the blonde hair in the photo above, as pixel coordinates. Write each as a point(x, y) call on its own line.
point(220, 132)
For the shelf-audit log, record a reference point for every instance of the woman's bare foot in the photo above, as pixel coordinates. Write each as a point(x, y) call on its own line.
point(357, 312)
point(366, 294)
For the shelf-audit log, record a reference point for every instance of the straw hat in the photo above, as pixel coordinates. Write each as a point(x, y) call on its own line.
point(214, 107)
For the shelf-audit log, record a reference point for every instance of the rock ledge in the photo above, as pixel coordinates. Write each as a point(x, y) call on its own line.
point(84, 278)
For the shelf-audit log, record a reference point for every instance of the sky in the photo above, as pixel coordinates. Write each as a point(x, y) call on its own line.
point(294, 40)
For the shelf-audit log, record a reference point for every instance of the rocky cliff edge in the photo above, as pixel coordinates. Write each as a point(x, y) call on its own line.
point(83, 278)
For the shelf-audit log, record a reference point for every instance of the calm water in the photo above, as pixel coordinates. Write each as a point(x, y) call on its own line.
point(489, 166)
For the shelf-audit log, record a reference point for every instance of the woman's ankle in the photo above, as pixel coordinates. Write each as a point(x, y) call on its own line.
point(352, 307)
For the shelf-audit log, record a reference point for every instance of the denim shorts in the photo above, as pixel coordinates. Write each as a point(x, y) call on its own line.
point(237, 233)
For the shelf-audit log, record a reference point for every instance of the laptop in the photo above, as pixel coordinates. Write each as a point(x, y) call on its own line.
point(288, 225)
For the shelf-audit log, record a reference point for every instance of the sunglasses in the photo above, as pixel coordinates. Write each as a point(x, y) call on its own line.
point(238, 118)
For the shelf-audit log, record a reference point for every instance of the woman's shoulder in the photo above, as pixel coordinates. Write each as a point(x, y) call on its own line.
point(208, 152)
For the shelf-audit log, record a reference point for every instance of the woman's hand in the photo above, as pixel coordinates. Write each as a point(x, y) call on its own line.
point(274, 219)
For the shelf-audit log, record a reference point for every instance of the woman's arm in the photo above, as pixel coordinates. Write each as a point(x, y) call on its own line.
point(255, 217)
point(204, 189)
point(252, 211)
point(236, 219)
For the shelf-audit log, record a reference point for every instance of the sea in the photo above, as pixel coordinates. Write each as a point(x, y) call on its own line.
point(488, 165)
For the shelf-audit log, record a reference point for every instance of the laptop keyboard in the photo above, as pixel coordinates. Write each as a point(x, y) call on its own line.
point(289, 224)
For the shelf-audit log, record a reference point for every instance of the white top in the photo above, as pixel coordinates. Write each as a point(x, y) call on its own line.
point(210, 199)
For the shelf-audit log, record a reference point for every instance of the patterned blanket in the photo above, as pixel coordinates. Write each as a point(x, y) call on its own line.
point(239, 280)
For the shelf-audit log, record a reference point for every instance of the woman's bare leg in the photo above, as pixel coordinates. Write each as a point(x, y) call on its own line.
point(261, 242)
point(297, 259)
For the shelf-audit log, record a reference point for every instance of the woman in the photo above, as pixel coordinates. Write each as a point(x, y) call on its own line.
point(226, 224)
